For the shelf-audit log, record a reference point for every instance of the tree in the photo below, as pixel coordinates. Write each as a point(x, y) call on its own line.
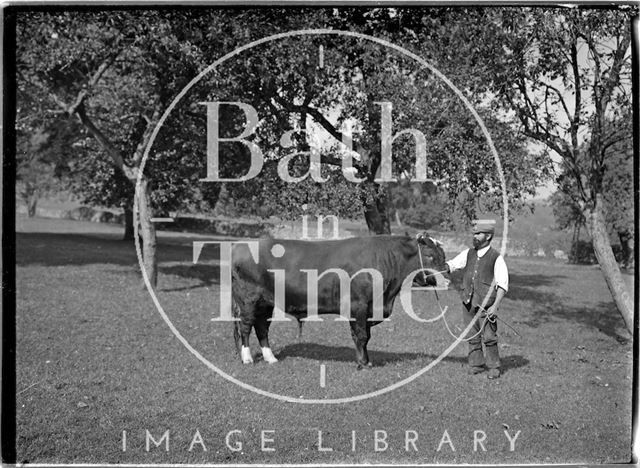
point(617, 192)
point(33, 171)
point(566, 73)
point(568, 215)
point(98, 182)
point(115, 72)
point(286, 81)
point(42, 148)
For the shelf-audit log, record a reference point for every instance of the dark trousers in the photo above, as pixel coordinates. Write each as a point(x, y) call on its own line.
point(488, 336)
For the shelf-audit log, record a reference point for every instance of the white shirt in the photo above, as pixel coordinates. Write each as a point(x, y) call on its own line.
point(500, 272)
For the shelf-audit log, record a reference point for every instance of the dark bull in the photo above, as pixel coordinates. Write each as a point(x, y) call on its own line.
point(357, 277)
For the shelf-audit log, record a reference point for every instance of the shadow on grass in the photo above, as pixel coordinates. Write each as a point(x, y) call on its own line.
point(510, 362)
point(73, 249)
point(524, 287)
point(603, 316)
point(378, 358)
point(53, 249)
point(526, 280)
point(57, 249)
point(208, 275)
point(343, 354)
point(547, 306)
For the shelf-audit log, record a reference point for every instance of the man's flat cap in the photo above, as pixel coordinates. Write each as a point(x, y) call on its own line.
point(484, 225)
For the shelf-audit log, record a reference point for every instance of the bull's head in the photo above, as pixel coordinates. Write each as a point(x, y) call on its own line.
point(432, 258)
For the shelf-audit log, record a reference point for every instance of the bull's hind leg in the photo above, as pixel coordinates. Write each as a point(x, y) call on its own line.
point(262, 332)
point(360, 332)
point(236, 337)
point(242, 329)
point(245, 351)
point(235, 311)
point(368, 326)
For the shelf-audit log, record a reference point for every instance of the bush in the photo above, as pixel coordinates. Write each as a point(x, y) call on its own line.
point(422, 217)
point(81, 213)
point(582, 253)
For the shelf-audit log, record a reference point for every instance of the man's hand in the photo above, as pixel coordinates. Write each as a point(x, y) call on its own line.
point(491, 312)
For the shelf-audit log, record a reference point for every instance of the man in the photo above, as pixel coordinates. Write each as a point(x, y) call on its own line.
point(484, 283)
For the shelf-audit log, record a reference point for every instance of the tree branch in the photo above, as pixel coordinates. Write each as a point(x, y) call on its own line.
point(332, 160)
point(560, 99)
point(575, 121)
point(572, 163)
point(146, 136)
point(529, 112)
point(596, 61)
point(613, 138)
point(92, 82)
point(317, 116)
point(105, 143)
point(603, 87)
point(545, 136)
point(554, 142)
point(613, 77)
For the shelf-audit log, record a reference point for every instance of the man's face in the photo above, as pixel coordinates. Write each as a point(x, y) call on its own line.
point(481, 240)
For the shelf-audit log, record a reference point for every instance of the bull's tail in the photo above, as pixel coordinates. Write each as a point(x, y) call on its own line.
point(235, 312)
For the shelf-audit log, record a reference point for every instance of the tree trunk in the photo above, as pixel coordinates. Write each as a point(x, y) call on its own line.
point(608, 264)
point(398, 221)
point(574, 243)
point(377, 220)
point(32, 202)
point(377, 217)
point(147, 229)
point(148, 232)
point(129, 231)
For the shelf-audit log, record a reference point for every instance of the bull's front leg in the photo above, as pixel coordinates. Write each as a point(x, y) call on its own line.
point(360, 332)
point(262, 332)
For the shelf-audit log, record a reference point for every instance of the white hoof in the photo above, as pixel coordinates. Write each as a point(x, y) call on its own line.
point(245, 354)
point(268, 356)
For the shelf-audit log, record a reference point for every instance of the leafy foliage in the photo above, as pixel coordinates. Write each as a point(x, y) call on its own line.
point(566, 73)
point(567, 214)
point(617, 192)
point(130, 64)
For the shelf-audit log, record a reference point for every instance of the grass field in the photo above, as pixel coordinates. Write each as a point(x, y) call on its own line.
point(95, 358)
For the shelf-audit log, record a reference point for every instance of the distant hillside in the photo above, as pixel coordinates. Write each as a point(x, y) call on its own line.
point(530, 234)
point(535, 233)
point(541, 220)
